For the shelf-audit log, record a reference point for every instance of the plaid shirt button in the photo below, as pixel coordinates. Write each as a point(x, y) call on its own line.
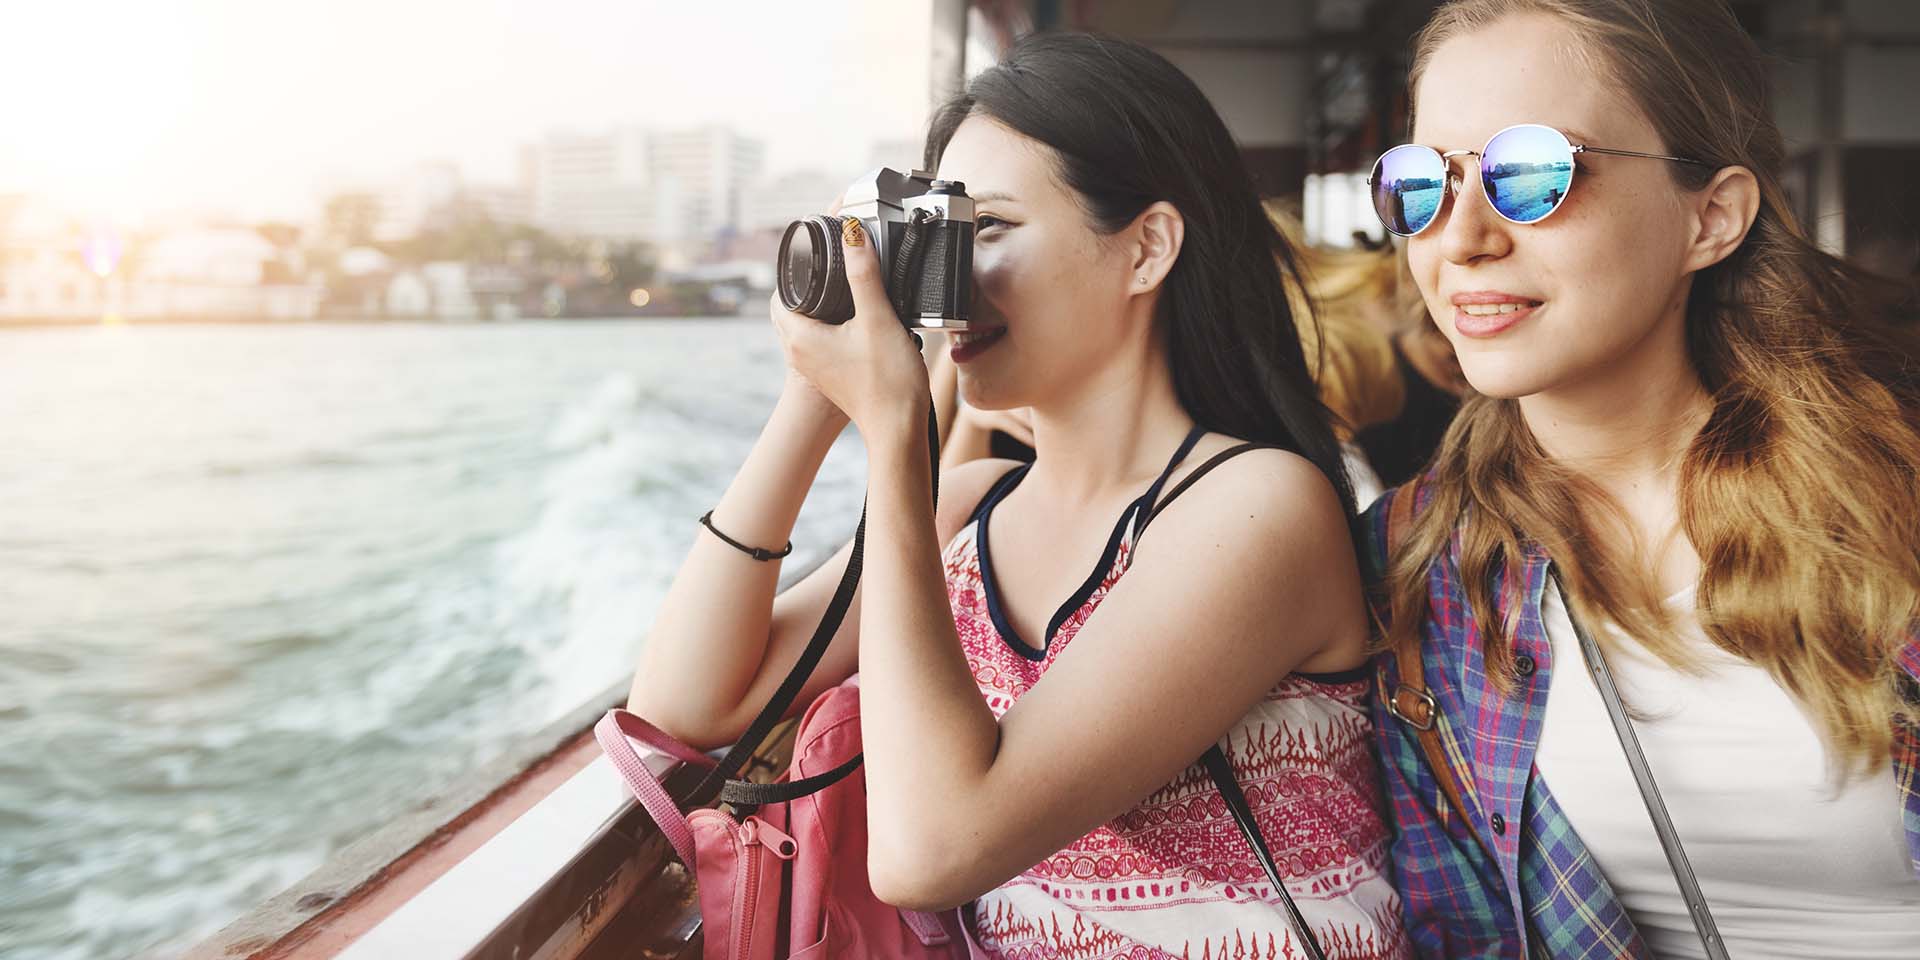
point(1499, 824)
point(1523, 665)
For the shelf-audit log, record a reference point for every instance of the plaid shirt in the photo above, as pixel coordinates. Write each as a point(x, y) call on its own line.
point(1542, 895)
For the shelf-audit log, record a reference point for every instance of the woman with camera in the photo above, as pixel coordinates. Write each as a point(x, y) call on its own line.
point(1037, 672)
point(1651, 686)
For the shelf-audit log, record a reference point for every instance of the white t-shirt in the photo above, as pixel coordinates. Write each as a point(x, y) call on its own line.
point(1793, 861)
point(1366, 483)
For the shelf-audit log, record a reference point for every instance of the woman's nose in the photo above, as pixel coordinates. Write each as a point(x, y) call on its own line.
point(1470, 229)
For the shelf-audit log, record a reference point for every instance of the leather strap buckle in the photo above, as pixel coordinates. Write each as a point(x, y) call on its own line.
point(1415, 707)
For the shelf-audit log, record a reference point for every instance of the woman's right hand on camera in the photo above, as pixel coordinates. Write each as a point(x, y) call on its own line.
point(800, 394)
point(803, 395)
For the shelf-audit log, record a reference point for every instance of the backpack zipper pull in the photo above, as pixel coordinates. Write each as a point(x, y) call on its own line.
point(755, 830)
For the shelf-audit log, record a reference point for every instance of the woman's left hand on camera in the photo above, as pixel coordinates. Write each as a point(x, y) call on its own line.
point(869, 366)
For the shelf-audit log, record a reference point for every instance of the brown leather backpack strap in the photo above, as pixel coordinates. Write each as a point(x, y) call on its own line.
point(1415, 706)
point(1411, 701)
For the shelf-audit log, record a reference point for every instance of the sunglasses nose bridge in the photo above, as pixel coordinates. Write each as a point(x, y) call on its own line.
point(1455, 179)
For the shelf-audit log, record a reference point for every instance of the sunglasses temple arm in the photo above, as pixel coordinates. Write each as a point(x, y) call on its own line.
point(1633, 153)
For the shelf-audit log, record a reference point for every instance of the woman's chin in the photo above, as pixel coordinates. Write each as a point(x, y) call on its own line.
point(1503, 380)
point(985, 394)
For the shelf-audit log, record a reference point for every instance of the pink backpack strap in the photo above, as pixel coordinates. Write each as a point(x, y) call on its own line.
point(926, 927)
point(612, 732)
point(633, 726)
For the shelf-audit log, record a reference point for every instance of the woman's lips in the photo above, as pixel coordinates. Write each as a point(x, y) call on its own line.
point(971, 344)
point(1481, 315)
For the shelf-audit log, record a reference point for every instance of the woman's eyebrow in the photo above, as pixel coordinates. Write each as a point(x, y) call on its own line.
point(992, 196)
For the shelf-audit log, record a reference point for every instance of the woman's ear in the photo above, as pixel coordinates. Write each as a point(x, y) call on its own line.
point(1156, 236)
point(1724, 212)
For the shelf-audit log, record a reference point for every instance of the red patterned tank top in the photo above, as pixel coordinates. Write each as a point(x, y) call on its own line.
point(1173, 877)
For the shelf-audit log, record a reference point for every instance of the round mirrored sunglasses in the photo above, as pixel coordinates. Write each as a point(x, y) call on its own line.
point(1526, 171)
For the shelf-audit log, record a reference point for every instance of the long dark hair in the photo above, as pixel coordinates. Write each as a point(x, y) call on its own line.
point(1128, 129)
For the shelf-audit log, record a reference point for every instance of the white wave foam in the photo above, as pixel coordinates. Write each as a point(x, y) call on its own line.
point(578, 586)
point(581, 585)
point(183, 914)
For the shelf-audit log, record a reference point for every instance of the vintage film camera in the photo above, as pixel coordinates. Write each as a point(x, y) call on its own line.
point(922, 232)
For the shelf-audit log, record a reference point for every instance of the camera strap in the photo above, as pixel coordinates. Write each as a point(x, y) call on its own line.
point(1215, 760)
point(904, 272)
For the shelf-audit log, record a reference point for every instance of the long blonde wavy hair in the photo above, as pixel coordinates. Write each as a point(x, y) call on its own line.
point(1351, 295)
point(1799, 492)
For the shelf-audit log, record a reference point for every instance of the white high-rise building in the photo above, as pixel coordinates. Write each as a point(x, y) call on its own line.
point(705, 174)
point(416, 201)
point(677, 188)
point(777, 201)
point(499, 203)
point(593, 185)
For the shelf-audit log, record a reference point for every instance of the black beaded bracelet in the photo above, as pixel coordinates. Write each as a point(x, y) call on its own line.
point(758, 553)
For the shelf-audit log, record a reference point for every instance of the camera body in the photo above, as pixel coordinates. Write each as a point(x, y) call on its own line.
point(922, 233)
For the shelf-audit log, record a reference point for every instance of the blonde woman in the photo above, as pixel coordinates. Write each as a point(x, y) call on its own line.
point(1688, 460)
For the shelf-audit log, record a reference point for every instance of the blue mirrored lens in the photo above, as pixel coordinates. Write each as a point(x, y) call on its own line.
point(1409, 184)
point(1526, 171)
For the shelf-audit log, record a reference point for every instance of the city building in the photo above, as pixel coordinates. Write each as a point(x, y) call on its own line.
point(454, 291)
point(218, 273)
point(679, 190)
point(499, 203)
point(592, 185)
point(704, 174)
point(422, 199)
point(775, 202)
point(44, 274)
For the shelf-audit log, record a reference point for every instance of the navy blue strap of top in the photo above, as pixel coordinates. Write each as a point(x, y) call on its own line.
point(1012, 478)
point(1155, 509)
point(1001, 622)
point(1153, 492)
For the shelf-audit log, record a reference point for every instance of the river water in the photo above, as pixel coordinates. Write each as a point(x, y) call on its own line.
point(262, 587)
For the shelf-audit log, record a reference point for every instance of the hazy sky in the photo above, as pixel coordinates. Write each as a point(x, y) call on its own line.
point(121, 107)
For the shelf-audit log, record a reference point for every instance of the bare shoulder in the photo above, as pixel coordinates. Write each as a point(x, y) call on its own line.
point(1259, 540)
point(961, 489)
point(1274, 500)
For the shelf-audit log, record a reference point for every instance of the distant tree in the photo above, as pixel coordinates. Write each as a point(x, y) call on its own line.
point(282, 235)
point(350, 218)
point(634, 265)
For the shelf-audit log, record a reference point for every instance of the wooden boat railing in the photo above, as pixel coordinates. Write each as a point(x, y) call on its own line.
point(624, 895)
point(539, 855)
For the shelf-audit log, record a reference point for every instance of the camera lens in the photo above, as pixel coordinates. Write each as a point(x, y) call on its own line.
point(798, 262)
point(802, 256)
point(810, 278)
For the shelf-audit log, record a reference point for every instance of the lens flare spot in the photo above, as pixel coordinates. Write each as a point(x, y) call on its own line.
point(101, 252)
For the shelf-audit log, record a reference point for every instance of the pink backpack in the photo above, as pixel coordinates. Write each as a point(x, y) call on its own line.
point(801, 853)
